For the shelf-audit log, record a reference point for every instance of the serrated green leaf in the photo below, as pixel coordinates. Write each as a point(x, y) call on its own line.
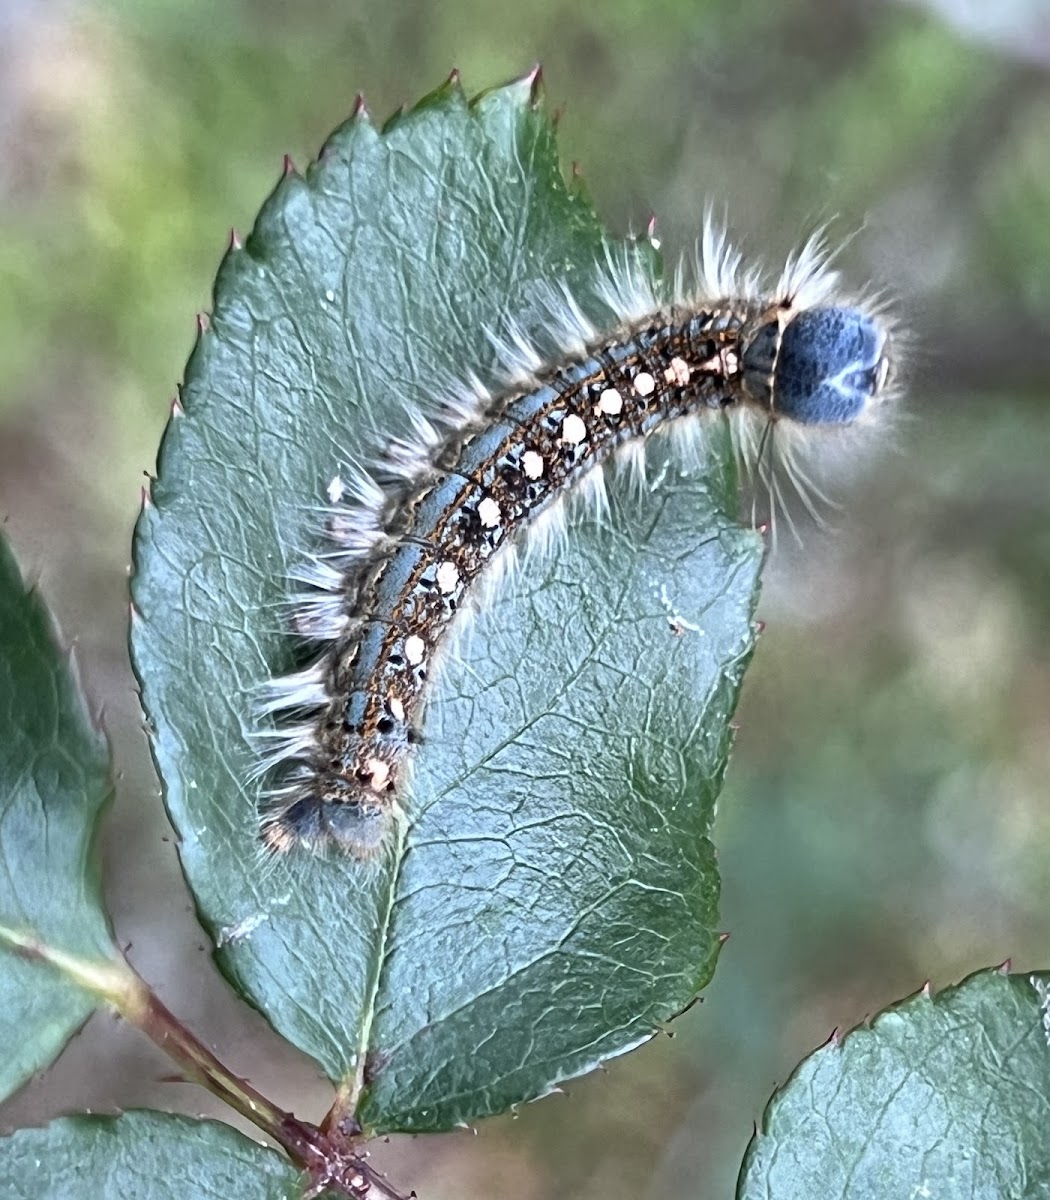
point(944, 1096)
point(142, 1156)
point(54, 781)
point(555, 898)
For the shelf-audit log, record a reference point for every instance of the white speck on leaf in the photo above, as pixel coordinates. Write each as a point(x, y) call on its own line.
point(677, 622)
point(233, 933)
point(1042, 990)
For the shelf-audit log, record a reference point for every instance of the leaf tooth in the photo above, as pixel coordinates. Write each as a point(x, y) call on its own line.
point(536, 89)
point(360, 110)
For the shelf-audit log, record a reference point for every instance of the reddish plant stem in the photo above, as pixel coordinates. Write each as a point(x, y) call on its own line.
point(330, 1165)
point(328, 1158)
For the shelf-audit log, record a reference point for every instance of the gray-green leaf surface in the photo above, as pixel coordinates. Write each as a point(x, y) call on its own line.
point(142, 1156)
point(944, 1096)
point(54, 781)
point(554, 898)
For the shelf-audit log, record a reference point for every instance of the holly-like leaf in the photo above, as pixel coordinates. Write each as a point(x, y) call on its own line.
point(54, 781)
point(142, 1156)
point(554, 897)
point(944, 1095)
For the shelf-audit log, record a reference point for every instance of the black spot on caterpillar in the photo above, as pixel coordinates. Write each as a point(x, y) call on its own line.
point(493, 467)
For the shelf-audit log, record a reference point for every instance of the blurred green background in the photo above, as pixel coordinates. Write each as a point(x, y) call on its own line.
point(886, 818)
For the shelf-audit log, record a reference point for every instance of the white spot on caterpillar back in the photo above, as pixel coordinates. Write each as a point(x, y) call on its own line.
point(610, 402)
point(415, 649)
point(489, 513)
point(644, 383)
point(573, 430)
point(532, 464)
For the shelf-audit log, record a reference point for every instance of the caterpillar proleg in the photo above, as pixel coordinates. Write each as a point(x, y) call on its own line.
point(490, 469)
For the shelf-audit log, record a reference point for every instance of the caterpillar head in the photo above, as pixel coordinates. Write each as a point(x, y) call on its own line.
point(817, 366)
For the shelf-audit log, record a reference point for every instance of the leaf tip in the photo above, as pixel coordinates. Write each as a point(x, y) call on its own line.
point(235, 242)
point(1006, 966)
point(288, 167)
point(203, 323)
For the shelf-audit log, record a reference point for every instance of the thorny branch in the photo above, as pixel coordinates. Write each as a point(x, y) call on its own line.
point(329, 1161)
point(330, 1164)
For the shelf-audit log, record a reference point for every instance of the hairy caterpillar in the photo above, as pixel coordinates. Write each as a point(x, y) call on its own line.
point(437, 512)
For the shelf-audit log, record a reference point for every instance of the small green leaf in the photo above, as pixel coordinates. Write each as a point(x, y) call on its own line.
point(944, 1096)
point(142, 1156)
point(554, 899)
point(54, 781)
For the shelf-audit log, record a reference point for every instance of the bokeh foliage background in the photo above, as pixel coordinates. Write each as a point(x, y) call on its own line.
point(886, 817)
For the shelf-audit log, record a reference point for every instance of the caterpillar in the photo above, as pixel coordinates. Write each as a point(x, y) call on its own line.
point(489, 468)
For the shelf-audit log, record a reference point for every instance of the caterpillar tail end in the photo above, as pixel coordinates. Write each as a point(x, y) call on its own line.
point(353, 827)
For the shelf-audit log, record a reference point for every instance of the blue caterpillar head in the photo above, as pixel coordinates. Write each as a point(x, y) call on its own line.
point(824, 367)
